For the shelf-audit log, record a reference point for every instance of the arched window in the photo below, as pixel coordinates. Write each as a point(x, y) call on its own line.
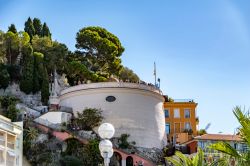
point(129, 161)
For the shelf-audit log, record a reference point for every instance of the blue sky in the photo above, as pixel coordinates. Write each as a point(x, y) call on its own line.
point(201, 48)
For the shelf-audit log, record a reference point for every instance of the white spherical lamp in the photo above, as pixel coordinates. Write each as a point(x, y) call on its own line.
point(105, 145)
point(106, 131)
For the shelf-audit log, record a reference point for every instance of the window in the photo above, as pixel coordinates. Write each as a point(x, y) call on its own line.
point(167, 128)
point(177, 113)
point(187, 126)
point(187, 113)
point(166, 113)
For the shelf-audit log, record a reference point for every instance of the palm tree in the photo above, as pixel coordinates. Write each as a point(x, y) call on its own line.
point(180, 159)
point(241, 158)
point(31, 133)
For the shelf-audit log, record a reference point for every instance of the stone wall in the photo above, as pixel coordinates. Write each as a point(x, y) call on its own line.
point(14, 90)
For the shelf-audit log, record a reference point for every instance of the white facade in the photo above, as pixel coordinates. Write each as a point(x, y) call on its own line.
point(11, 142)
point(53, 118)
point(137, 109)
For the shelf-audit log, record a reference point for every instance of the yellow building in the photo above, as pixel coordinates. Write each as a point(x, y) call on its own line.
point(180, 118)
point(10, 142)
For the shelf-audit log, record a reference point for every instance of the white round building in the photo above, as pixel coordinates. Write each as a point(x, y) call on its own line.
point(133, 109)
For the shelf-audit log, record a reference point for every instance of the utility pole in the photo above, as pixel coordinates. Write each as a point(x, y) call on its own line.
point(155, 72)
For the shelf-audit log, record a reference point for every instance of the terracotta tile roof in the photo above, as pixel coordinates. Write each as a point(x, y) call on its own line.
point(219, 137)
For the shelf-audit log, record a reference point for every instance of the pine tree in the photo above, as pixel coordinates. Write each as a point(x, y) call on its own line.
point(12, 28)
point(29, 28)
point(45, 87)
point(45, 31)
point(37, 26)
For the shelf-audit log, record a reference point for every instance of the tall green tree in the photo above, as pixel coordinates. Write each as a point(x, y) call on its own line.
point(4, 77)
point(45, 87)
point(242, 158)
point(12, 113)
point(38, 71)
point(26, 83)
point(11, 46)
point(46, 31)
point(2, 47)
point(37, 26)
point(29, 28)
point(101, 49)
point(12, 28)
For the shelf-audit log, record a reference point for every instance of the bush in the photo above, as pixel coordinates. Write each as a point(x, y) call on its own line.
point(89, 118)
point(12, 113)
point(70, 161)
point(123, 142)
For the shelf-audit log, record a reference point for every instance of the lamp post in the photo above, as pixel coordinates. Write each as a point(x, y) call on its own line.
point(106, 131)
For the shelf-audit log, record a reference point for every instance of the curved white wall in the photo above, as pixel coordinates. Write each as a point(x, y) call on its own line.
point(137, 110)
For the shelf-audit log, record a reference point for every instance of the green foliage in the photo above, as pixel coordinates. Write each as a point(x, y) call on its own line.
point(12, 28)
point(182, 160)
point(101, 49)
point(38, 71)
point(2, 47)
point(29, 28)
point(202, 132)
point(45, 87)
point(46, 31)
point(41, 44)
point(74, 147)
point(55, 57)
point(6, 101)
point(4, 77)
point(14, 72)
point(123, 142)
point(242, 158)
point(70, 161)
point(92, 156)
point(11, 43)
point(37, 26)
point(127, 74)
point(12, 113)
point(26, 83)
point(89, 118)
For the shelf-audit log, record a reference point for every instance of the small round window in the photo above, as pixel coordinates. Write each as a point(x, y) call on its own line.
point(110, 98)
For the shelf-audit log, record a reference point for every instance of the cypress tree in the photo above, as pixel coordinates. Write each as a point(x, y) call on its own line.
point(12, 28)
point(29, 28)
point(37, 74)
point(26, 83)
point(45, 31)
point(37, 26)
point(45, 87)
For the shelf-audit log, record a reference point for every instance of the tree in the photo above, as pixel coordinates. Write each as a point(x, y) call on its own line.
point(182, 160)
point(37, 26)
point(101, 49)
point(45, 87)
point(55, 57)
point(127, 74)
point(202, 132)
point(11, 46)
point(92, 156)
point(26, 83)
point(4, 78)
point(41, 44)
point(2, 47)
point(29, 28)
point(242, 158)
point(70, 161)
point(46, 31)
point(38, 71)
point(12, 28)
point(89, 118)
point(12, 113)
point(123, 142)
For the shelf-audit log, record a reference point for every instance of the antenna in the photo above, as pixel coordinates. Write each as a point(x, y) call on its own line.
point(155, 72)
